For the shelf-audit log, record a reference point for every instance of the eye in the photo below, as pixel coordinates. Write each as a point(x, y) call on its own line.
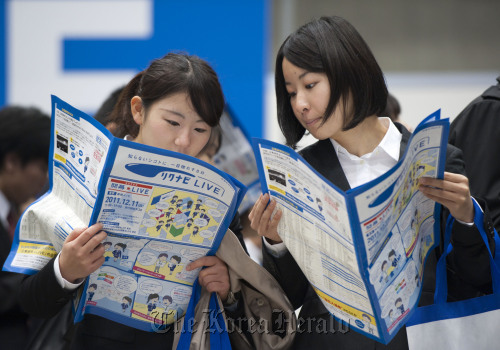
point(200, 130)
point(310, 86)
point(172, 122)
point(292, 94)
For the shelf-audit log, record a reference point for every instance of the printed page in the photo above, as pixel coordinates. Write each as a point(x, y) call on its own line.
point(236, 158)
point(315, 229)
point(392, 221)
point(397, 225)
point(78, 151)
point(161, 211)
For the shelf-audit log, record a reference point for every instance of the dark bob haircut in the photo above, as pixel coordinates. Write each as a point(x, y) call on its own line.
point(331, 45)
point(171, 74)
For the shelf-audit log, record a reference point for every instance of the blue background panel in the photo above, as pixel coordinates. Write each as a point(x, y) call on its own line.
point(231, 35)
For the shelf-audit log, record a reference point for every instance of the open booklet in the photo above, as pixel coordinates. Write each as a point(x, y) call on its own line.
point(161, 211)
point(362, 250)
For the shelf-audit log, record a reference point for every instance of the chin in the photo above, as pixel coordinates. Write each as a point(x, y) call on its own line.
point(318, 136)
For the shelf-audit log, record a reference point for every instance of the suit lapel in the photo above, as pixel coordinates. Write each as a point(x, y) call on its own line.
point(404, 139)
point(323, 158)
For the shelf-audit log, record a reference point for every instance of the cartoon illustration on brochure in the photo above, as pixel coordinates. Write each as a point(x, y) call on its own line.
point(388, 264)
point(167, 261)
point(140, 297)
point(111, 289)
point(177, 216)
point(403, 291)
point(419, 168)
point(122, 252)
point(159, 301)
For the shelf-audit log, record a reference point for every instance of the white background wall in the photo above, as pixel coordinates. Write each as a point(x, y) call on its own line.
point(419, 95)
point(435, 54)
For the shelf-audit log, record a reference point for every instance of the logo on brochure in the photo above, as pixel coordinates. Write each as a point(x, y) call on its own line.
point(383, 196)
point(151, 170)
point(360, 324)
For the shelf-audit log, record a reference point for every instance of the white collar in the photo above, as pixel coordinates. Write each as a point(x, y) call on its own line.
point(390, 144)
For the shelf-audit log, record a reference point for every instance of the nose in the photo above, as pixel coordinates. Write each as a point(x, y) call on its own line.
point(183, 138)
point(301, 103)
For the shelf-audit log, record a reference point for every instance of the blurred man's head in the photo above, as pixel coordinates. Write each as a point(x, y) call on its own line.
point(24, 152)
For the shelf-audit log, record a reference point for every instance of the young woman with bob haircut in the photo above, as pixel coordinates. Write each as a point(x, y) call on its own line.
point(329, 84)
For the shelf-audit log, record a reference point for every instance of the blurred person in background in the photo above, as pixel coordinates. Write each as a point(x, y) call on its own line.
point(103, 113)
point(476, 131)
point(393, 111)
point(24, 150)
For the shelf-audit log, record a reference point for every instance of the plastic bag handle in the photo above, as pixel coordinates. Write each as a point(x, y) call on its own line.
point(441, 292)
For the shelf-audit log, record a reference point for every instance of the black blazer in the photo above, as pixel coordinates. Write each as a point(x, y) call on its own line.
point(14, 329)
point(468, 266)
point(476, 131)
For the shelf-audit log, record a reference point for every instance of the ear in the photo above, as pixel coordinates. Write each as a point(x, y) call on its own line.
point(11, 162)
point(137, 109)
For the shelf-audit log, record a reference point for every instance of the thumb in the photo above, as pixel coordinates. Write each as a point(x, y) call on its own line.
point(75, 233)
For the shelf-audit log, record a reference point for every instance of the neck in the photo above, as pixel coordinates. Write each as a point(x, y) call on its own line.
point(363, 138)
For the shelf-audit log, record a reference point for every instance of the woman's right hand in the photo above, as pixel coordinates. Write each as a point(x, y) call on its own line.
point(82, 252)
point(262, 221)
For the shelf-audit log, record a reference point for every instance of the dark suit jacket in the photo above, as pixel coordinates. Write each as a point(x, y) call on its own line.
point(468, 267)
point(42, 296)
point(476, 131)
point(13, 321)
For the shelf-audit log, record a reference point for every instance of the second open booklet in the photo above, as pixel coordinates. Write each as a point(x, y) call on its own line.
point(362, 250)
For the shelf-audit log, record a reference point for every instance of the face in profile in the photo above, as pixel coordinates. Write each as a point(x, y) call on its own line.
point(26, 181)
point(309, 96)
point(172, 124)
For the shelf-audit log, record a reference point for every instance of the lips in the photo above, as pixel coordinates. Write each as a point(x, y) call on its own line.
point(312, 121)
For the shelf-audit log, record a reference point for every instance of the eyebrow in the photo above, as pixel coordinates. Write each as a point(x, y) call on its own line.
point(300, 77)
point(173, 112)
point(181, 115)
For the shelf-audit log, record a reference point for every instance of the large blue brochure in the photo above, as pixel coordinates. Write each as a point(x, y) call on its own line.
point(362, 250)
point(161, 211)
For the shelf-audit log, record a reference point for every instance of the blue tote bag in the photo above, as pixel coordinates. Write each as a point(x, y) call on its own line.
point(469, 324)
point(219, 337)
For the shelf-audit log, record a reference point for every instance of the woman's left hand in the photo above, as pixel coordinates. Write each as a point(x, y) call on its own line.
point(452, 192)
point(214, 277)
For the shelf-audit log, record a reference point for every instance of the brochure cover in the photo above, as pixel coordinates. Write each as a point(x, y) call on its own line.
point(161, 210)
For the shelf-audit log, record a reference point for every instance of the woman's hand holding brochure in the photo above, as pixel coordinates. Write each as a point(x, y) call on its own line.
point(452, 192)
point(82, 252)
point(262, 220)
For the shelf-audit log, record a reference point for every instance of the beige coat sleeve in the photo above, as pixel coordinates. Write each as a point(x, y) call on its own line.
point(261, 295)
